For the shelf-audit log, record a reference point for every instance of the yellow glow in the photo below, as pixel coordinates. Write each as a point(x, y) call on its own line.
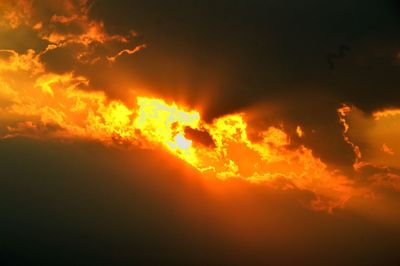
point(386, 113)
point(299, 132)
point(161, 123)
point(182, 142)
point(52, 105)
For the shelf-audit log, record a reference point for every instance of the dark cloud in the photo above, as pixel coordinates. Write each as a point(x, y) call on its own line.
point(264, 50)
point(21, 40)
point(199, 136)
point(81, 203)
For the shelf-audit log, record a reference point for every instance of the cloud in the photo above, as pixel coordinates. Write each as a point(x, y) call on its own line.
point(266, 54)
point(67, 89)
point(15, 13)
point(57, 106)
point(110, 206)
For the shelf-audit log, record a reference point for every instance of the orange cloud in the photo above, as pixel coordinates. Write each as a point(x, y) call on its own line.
point(12, 61)
point(386, 113)
point(343, 113)
point(127, 51)
point(38, 103)
point(300, 132)
point(387, 149)
point(15, 13)
point(376, 137)
point(52, 105)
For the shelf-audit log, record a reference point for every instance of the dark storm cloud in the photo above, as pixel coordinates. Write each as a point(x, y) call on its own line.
point(82, 203)
point(266, 50)
point(17, 39)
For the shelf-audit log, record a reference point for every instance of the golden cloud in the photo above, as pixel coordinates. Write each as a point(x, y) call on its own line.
point(40, 103)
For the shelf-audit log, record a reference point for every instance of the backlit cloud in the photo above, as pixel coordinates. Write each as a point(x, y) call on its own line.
point(61, 91)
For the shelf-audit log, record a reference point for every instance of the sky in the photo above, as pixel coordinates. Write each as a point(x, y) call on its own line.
point(199, 132)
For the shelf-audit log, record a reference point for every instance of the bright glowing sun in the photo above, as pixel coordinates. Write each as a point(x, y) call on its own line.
point(182, 142)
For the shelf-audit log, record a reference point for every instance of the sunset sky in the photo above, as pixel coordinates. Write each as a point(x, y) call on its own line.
point(199, 132)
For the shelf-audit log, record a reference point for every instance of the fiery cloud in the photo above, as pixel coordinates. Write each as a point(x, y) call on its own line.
point(52, 105)
point(38, 102)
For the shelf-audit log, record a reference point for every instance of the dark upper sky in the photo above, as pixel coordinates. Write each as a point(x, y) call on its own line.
point(247, 51)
